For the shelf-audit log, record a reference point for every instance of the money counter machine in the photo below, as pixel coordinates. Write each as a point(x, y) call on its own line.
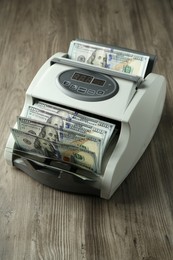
point(104, 95)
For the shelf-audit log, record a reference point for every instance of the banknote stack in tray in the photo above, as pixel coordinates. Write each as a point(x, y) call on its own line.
point(63, 135)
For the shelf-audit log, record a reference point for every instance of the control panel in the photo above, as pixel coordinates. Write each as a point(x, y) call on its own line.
point(87, 85)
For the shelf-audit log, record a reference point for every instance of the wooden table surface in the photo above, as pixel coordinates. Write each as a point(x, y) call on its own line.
point(37, 222)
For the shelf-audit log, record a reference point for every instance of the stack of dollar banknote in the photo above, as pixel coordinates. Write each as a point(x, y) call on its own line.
point(63, 135)
point(112, 58)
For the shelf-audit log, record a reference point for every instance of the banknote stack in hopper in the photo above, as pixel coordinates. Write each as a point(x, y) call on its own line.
point(63, 135)
point(116, 59)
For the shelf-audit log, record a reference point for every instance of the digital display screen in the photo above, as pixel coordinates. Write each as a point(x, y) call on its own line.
point(98, 82)
point(88, 79)
point(82, 77)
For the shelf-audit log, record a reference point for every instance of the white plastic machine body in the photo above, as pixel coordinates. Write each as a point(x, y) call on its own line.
point(136, 107)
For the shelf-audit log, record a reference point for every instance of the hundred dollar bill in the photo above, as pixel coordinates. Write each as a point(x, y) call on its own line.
point(66, 153)
point(52, 134)
point(108, 127)
point(69, 114)
point(38, 114)
point(111, 58)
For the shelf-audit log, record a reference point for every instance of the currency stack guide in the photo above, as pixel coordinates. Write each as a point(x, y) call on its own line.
point(88, 116)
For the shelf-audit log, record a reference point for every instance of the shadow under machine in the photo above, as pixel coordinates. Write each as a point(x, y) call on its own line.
point(132, 101)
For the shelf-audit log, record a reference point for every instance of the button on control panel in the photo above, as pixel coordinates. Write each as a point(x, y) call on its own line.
point(72, 86)
point(87, 85)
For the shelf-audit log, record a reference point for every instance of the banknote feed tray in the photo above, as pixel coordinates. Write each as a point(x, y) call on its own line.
point(135, 106)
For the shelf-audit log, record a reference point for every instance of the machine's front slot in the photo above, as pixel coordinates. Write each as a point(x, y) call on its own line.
point(56, 108)
point(52, 165)
point(71, 137)
point(59, 179)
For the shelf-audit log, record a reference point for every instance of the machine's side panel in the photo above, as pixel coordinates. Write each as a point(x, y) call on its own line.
point(140, 122)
